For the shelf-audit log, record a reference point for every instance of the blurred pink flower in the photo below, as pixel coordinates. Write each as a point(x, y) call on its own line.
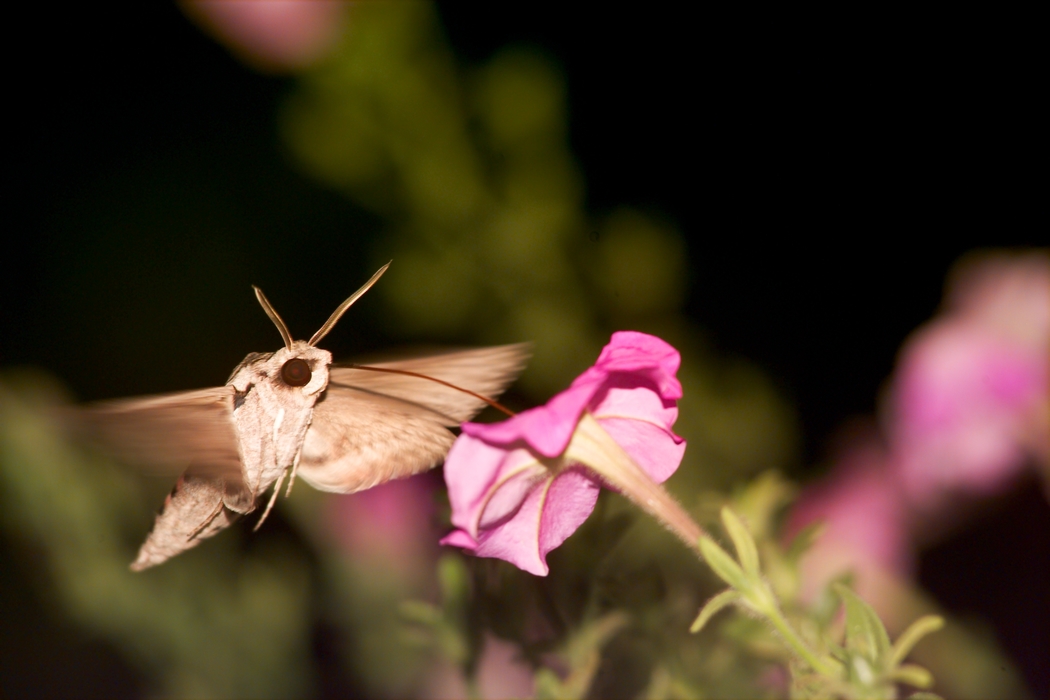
point(500, 673)
point(272, 35)
point(519, 488)
point(968, 404)
point(391, 525)
point(969, 400)
point(866, 523)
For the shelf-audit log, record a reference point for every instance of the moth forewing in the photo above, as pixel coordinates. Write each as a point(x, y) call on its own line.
point(372, 425)
point(484, 371)
point(170, 432)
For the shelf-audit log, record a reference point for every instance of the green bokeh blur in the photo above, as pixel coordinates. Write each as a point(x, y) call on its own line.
point(464, 178)
point(470, 188)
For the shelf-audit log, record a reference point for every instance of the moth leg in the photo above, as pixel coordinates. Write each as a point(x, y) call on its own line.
point(207, 521)
point(273, 499)
point(291, 479)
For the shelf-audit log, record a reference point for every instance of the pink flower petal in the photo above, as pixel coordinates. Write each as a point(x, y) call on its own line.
point(549, 514)
point(388, 522)
point(547, 429)
point(961, 402)
point(273, 34)
point(570, 501)
point(459, 538)
point(971, 385)
point(645, 355)
point(517, 540)
point(473, 468)
point(630, 359)
point(866, 520)
point(507, 495)
point(626, 396)
point(656, 450)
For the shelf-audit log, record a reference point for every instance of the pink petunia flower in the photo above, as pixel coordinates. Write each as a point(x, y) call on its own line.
point(276, 36)
point(866, 524)
point(389, 526)
point(519, 488)
point(967, 409)
point(501, 672)
point(970, 396)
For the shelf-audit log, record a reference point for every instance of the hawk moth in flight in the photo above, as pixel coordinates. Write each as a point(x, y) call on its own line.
point(293, 413)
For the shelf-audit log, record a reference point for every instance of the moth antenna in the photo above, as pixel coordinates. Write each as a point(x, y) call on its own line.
point(274, 316)
point(337, 314)
point(495, 404)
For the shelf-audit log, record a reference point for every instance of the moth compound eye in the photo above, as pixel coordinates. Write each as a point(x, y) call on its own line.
point(296, 372)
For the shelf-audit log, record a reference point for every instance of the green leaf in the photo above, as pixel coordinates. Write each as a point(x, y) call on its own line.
point(723, 564)
point(865, 634)
point(746, 550)
point(665, 684)
point(808, 684)
point(825, 607)
point(578, 682)
point(921, 695)
point(861, 671)
point(760, 500)
point(548, 685)
point(454, 581)
point(911, 636)
point(592, 636)
point(837, 652)
point(420, 612)
point(712, 607)
point(805, 539)
point(913, 675)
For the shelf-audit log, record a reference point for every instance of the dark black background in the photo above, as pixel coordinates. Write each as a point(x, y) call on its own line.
point(826, 171)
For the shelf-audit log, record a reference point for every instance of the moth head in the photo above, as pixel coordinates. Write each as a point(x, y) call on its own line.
point(301, 367)
point(300, 362)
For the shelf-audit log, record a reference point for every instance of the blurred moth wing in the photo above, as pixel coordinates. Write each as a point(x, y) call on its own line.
point(373, 426)
point(289, 412)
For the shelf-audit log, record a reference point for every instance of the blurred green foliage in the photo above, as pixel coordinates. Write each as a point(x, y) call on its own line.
point(487, 230)
point(482, 205)
point(227, 623)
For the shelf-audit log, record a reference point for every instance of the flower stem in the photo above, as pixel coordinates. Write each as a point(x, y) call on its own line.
point(593, 446)
point(792, 639)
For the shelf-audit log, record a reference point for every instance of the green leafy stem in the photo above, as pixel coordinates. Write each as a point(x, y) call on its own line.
point(865, 665)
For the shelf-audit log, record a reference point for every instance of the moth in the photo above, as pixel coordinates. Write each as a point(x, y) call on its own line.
point(292, 413)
